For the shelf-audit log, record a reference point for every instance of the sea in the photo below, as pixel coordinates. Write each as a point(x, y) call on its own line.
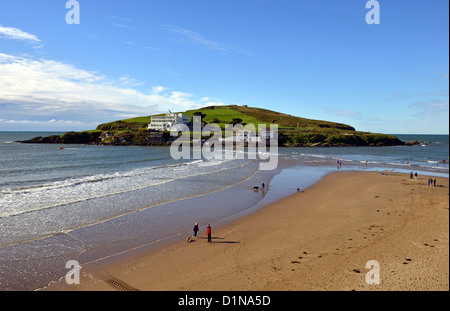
point(94, 204)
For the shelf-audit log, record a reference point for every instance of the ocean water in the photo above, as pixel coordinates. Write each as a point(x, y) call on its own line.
point(430, 157)
point(89, 203)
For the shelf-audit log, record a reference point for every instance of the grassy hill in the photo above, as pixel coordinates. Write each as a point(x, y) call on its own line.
point(293, 131)
point(226, 114)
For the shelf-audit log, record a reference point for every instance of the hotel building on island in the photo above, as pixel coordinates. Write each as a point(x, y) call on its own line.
point(164, 123)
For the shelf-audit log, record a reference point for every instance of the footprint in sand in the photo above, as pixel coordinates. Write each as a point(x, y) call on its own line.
point(407, 260)
point(309, 255)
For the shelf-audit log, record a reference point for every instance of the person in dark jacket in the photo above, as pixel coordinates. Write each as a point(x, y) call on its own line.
point(195, 230)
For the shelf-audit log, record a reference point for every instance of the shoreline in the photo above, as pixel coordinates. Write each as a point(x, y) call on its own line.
point(286, 246)
point(138, 222)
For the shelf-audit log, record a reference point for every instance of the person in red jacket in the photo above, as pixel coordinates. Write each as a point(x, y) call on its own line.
point(208, 232)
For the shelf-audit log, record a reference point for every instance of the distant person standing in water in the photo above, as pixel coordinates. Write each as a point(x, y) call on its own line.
point(208, 232)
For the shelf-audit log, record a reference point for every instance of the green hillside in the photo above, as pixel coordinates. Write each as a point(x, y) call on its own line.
point(293, 131)
point(227, 114)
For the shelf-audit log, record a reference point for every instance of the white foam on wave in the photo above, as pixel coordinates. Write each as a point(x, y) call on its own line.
point(22, 200)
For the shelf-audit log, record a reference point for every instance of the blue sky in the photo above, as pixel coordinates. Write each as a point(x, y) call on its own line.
point(315, 59)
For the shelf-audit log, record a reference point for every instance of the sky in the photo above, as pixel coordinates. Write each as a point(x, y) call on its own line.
point(314, 59)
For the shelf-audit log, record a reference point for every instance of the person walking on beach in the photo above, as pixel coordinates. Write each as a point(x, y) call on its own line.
point(263, 185)
point(208, 232)
point(195, 230)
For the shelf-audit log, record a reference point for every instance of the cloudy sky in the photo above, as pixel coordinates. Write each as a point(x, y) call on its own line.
point(315, 59)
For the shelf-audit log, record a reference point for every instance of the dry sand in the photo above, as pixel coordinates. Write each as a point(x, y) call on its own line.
point(316, 240)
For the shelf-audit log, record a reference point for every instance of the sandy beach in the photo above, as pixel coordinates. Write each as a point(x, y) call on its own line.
point(319, 239)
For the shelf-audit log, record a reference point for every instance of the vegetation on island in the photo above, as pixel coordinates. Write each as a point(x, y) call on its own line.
point(293, 131)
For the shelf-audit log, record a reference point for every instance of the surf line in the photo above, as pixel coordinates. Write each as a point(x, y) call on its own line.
point(145, 245)
point(119, 192)
point(128, 213)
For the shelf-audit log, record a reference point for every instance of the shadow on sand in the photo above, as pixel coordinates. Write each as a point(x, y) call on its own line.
point(214, 240)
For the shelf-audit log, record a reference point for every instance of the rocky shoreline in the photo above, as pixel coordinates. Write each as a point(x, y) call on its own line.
point(164, 139)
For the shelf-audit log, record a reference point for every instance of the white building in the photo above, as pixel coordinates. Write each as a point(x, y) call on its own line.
point(164, 123)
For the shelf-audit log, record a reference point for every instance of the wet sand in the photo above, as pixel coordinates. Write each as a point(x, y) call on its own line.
point(319, 239)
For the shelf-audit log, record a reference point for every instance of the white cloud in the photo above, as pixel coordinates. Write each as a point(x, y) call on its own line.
point(124, 26)
point(173, 73)
point(46, 125)
point(158, 89)
point(141, 46)
point(34, 122)
point(207, 101)
point(120, 18)
point(437, 108)
point(207, 104)
point(42, 89)
point(17, 34)
point(195, 38)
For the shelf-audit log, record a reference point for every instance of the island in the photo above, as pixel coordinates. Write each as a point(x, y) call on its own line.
point(292, 131)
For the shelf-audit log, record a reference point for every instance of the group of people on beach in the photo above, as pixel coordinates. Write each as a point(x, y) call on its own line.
point(196, 228)
point(208, 231)
point(413, 175)
point(431, 182)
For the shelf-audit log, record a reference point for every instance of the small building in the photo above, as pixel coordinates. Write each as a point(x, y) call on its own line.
point(108, 138)
point(105, 135)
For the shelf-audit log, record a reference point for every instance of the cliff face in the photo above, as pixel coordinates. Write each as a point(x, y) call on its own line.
point(122, 138)
point(298, 139)
point(67, 138)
